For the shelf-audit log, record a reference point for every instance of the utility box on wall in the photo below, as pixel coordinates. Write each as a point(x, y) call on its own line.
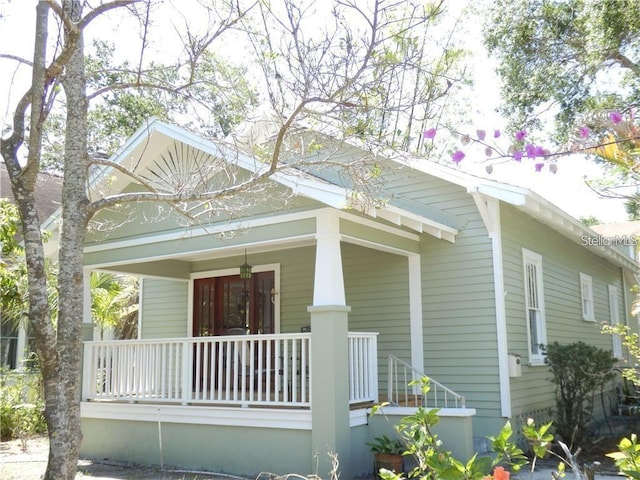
point(515, 365)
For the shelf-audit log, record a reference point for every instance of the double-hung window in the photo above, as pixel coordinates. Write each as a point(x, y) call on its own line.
point(586, 294)
point(534, 302)
point(614, 314)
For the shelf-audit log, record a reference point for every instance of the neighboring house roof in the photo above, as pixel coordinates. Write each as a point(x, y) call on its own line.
point(620, 230)
point(48, 191)
point(624, 236)
point(155, 135)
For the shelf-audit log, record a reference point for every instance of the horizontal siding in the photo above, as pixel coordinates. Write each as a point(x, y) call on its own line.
point(377, 290)
point(459, 325)
point(562, 262)
point(164, 308)
point(296, 290)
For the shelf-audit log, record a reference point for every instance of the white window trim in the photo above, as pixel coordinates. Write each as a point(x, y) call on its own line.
point(614, 316)
point(529, 257)
point(586, 297)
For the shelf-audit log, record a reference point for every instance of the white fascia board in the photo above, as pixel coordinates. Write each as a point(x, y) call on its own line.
point(507, 193)
point(554, 217)
point(457, 177)
point(51, 223)
point(327, 193)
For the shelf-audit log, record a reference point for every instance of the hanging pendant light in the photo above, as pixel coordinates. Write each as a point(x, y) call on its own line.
point(245, 268)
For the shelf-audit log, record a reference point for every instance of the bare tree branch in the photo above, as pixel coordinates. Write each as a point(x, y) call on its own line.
point(21, 60)
point(103, 8)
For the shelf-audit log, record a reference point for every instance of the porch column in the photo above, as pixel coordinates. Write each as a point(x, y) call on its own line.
point(21, 346)
point(87, 323)
point(329, 352)
point(415, 314)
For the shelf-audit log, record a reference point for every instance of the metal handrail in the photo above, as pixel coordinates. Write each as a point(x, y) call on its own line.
point(401, 374)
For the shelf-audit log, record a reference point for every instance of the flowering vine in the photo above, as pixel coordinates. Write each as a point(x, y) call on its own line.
point(613, 137)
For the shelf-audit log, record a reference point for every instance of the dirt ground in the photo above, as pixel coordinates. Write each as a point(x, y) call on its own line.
point(15, 464)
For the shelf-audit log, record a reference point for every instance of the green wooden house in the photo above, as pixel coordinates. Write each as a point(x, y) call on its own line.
point(265, 335)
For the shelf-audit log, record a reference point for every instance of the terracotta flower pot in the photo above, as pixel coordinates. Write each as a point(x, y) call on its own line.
point(390, 461)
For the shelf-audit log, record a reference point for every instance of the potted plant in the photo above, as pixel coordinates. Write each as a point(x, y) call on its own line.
point(387, 453)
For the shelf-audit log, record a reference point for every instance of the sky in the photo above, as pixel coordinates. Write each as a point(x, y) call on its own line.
point(566, 188)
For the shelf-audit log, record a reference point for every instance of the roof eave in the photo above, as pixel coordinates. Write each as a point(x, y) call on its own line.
point(546, 212)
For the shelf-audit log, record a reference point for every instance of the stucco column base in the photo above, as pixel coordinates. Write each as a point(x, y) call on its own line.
point(330, 388)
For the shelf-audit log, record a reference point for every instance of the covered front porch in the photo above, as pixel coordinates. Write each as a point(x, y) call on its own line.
point(298, 384)
point(245, 403)
point(238, 370)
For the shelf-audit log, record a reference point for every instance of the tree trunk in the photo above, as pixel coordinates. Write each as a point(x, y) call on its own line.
point(23, 180)
point(63, 399)
point(64, 418)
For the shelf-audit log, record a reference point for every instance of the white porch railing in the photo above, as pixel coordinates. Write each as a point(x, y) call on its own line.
point(260, 370)
point(401, 393)
point(363, 367)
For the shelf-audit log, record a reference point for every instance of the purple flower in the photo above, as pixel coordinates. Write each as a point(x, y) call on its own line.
point(496, 134)
point(431, 133)
point(584, 132)
point(488, 151)
point(531, 150)
point(520, 134)
point(615, 117)
point(481, 134)
point(517, 155)
point(553, 168)
point(457, 156)
point(539, 167)
point(541, 152)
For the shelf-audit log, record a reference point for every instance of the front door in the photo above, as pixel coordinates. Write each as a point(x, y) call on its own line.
point(231, 305)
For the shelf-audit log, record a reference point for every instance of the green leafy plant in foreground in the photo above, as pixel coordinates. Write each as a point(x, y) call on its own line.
point(433, 462)
point(415, 432)
point(628, 458)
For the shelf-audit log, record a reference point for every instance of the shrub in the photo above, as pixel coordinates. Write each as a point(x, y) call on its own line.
point(21, 406)
point(579, 373)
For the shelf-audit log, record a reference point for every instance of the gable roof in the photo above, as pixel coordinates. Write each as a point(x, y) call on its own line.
point(156, 135)
point(141, 145)
point(47, 192)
